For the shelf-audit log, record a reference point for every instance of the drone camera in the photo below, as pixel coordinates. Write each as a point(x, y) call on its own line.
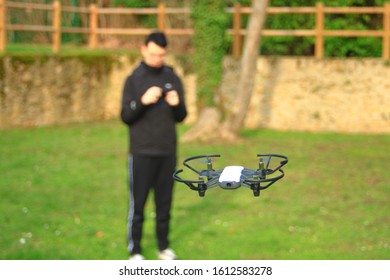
point(229, 185)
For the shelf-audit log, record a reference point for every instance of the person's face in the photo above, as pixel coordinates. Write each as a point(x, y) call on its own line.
point(153, 54)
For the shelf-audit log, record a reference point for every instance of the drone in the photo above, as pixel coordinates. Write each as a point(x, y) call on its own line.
point(233, 177)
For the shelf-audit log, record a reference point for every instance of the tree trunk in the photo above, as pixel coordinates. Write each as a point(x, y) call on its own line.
point(208, 126)
point(235, 120)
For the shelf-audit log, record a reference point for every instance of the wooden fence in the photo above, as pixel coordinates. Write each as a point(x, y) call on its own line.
point(238, 31)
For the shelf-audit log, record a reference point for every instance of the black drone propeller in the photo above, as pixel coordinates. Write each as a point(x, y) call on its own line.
point(233, 177)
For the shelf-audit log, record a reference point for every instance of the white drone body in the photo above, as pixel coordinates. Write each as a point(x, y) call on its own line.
point(230, 177)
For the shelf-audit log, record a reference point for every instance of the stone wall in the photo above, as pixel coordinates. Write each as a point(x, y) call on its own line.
point(304, 94)
point(50, 90)
point(41, 91)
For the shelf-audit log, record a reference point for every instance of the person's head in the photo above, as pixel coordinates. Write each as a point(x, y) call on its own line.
point(155, 49)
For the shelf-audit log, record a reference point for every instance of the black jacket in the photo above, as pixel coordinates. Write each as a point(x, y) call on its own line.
point(152, 127)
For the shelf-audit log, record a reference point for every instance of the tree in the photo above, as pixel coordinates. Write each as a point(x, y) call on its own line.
point(209, 126)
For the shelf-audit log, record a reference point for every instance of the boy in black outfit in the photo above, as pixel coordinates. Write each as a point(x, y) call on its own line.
point(152, 104)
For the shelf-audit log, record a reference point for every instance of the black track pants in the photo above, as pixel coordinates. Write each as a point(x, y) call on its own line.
point(146, 173)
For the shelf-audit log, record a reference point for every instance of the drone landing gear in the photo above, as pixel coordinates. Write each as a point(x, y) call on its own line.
point(202, 189)
point(256, 189)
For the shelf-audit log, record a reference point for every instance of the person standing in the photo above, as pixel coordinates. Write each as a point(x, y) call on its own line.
point(152, 103)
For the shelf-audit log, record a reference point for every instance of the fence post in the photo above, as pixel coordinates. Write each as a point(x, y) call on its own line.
point(237, 30)
point(319, 45)
point(3, 30)
point(161, 17)
point(386, 32)
point(92, 26)
point(56, 26)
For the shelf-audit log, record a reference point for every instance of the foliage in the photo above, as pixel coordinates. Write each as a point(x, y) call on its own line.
point(64, 196)
point(355, 47)
point(289, 45)
point(145, 20)
point(209, 22)
point(335, 46)
point(360, 46)
point(134, 3)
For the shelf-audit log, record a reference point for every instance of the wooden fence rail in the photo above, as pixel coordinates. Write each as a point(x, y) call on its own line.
point(238, 31)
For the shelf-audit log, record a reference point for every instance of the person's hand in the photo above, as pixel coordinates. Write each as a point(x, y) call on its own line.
point(151, 96)
point(172, 98)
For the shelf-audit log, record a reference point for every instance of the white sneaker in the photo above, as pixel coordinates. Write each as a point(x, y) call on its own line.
point(167, 254)
point(136, 257)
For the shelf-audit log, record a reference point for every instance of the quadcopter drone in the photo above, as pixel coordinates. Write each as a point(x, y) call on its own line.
point(233, 177)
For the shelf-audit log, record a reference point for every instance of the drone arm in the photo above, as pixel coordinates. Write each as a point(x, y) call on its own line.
point(212, 183)
point(189, 183)
point(251, 182)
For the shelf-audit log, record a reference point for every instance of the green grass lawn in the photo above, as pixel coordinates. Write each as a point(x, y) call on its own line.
point(63, 193)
